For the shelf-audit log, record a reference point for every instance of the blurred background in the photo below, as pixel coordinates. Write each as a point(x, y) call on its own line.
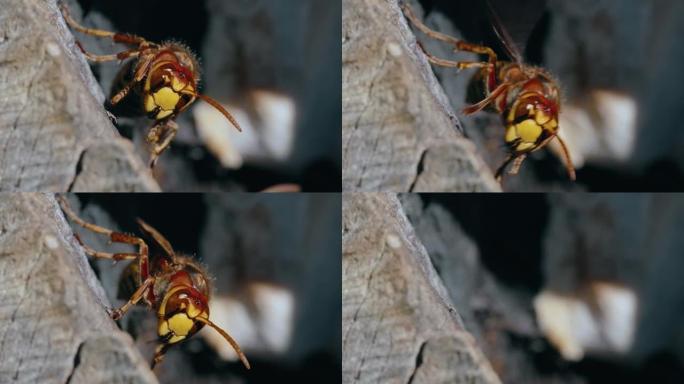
point(274, 65)
point(617, 62)
point(563, 288)
point(275, 266)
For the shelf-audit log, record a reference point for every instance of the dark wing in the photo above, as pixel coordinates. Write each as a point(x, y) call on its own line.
point(517, 24)
point(159, 242)
point(506, 40)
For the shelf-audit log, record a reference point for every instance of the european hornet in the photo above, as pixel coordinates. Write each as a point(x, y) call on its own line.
point(166, 75)
point(527, 97)
point(174, 286)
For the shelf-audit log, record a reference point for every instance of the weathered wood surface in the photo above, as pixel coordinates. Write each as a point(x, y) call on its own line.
point(399, 132)
point(54, 133)
point(53, 324)
point(398, 322)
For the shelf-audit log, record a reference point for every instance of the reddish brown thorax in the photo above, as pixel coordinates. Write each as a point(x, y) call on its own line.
point(181, 278)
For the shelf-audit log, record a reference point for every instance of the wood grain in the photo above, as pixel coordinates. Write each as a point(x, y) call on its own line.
point(53, 324)
point(399, 132)
point(398, 323)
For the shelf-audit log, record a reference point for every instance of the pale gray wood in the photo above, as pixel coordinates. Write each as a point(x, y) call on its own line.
point(399, 132)
point(398, 322)
point(51, 114)
point(53, 324)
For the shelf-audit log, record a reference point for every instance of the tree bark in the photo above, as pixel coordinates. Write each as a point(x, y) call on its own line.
point(398, 322)
point(399, 132)
point(54, 133)
point(53, 324)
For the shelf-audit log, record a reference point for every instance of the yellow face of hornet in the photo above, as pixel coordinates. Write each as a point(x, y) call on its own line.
point(531, 119)
point(178, 314)
point(168, 90)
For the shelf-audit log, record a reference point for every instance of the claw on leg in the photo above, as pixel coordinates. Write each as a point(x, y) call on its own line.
point(117, 313)
point(114, 313)
point(159, 354)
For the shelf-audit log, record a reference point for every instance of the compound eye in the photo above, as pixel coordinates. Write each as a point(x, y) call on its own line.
point(192, 305)
point(524, 111)
point(180, 315)
point(542, 115)
point(175, 302)
point(157, 79)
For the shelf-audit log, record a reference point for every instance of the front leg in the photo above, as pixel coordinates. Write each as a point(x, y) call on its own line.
point(139, 293)
point(512, 158)
point(517, 163)
point(482, 104)
point(159, 354)
point(160, 137)
point(122, 93)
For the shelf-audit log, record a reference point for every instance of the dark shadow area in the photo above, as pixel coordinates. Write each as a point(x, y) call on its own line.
point(507, 229)
point(661, 368)
point(661, 175)
point(156, 20)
